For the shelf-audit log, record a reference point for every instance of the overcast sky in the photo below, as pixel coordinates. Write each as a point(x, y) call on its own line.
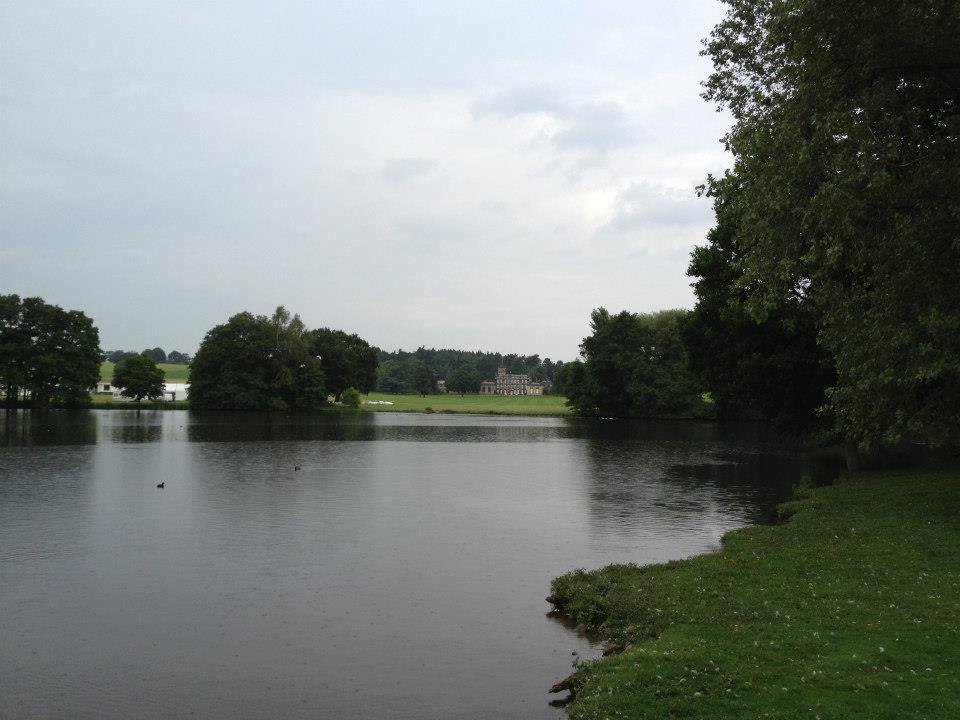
point(475, 175)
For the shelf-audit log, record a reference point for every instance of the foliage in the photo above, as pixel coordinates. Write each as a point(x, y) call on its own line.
point(847, 157)
point(174, 357)
point(397, 369)
point(569, 379)
point(635, 365)
point(49, 354)
point(347, 360)
point(139, 377)
point(424, 381)
point(253, 362)
point(115, 356)
point(770, 367)
point(350, 397)
point(464, 380)
point(849, 610)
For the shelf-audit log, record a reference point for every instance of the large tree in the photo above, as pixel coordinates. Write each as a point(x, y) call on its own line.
point(464, 380)
point(138, 377)
point(635, 365)
point(49, 354)
point(253, 362)
point(347, 360)
point(424, 381)
point(771, 367)
point(846, 141)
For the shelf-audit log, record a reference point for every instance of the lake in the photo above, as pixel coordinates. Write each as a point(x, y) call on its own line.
point(400, 572)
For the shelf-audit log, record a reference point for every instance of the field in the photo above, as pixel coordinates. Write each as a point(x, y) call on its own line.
point(849, 610)
point(173, 373)
point(475, 404)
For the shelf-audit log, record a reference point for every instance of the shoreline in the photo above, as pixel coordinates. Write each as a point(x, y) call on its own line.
point(847, 609)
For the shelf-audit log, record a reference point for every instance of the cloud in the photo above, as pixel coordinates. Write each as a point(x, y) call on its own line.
point(587, 125)
point(648, 205)
point(398, 170)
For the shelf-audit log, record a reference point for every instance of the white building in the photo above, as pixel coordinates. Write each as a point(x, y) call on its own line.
point(171, 391)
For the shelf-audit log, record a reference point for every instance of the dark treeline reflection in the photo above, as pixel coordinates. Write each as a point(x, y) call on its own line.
point(47, 427)
point(676, 477)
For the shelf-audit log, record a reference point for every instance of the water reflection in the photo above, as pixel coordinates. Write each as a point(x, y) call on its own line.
point(47, 427)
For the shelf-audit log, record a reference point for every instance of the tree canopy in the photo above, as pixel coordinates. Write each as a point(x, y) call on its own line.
point(846, 145)
point(138, 377)
point(424, 381)
point(464, 380)
point(347, 360)
point(635, 365)
point(253, 362)
point(47, 354)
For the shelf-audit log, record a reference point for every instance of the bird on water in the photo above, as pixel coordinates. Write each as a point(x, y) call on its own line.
point(161, 484)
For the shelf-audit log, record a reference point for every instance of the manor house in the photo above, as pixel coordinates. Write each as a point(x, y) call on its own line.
point(509, 384)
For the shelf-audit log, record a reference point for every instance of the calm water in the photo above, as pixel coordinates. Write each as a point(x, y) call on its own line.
point(399, 574)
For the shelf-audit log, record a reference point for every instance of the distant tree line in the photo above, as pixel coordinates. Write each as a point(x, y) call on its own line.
point(255, 362)
point(48, 355)
point(174, 356)
point(417, 371)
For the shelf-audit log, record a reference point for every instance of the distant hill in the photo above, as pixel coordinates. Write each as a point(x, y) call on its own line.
point(172, 372)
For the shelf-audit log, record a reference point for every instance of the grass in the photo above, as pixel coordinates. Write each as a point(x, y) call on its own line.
point(849, 610)
point(172, 372)
point(477, 404)
point(104, 401)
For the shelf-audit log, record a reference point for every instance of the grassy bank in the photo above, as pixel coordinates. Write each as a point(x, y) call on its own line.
point(101, 401)
point(849, 610)
point(172, 372)
point(485, 404)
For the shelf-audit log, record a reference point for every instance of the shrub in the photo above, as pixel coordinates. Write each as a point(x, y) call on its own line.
point(351, 397)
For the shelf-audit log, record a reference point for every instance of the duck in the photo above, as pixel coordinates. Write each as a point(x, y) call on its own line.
point(296, 468)
point(161, 484)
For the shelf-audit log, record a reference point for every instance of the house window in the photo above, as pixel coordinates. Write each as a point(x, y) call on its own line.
point(106, 388)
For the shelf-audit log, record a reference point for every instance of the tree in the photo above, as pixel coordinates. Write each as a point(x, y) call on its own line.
point(464, 380)
point(257, 363)
point(116, 356)
point(771, 368)
point(157, 354)
point(347, 360)
point(424, 381)
point(846, 145)
point(50, 354)
point(635, 365)
point(351, 397)
point(571, 382)
point(139, 377)
point(178, 358)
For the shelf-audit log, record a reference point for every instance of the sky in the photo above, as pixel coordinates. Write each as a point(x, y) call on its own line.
point(474, 175)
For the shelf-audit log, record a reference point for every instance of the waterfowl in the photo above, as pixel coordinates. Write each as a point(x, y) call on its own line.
point(161, 484)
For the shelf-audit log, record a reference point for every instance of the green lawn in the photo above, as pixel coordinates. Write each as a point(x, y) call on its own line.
point(850, 610)
point(486, 404)
point(171, 372)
